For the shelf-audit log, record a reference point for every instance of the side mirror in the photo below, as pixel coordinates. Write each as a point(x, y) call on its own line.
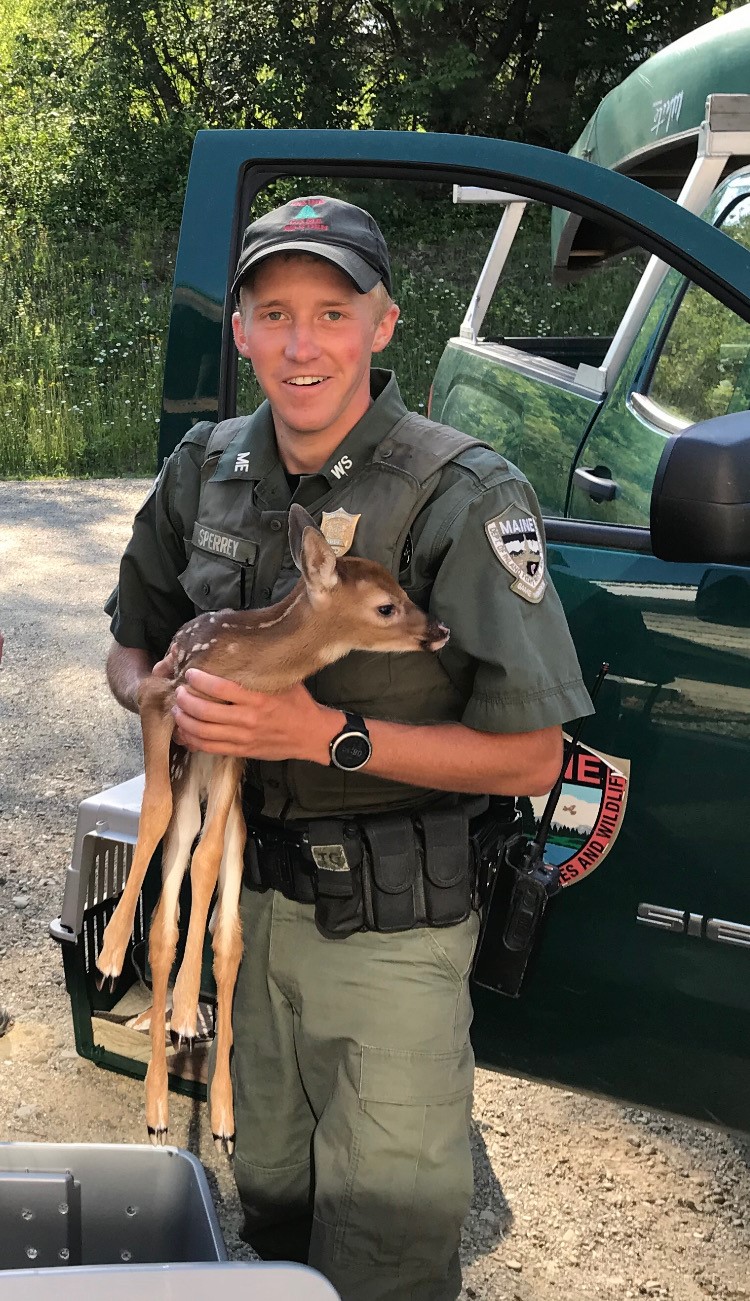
point(700, 503)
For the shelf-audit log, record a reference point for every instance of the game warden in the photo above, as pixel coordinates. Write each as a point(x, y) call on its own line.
point(352, 1064)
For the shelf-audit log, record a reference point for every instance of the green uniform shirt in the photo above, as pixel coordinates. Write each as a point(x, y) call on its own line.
point(510, 659)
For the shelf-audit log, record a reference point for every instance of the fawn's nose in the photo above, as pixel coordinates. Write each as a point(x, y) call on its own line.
point(436, 636)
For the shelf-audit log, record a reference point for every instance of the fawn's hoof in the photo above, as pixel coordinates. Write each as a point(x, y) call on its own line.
point(180, 1041)
point(157, 1136)
point(100, 982)
point(224, 1143)
point(109, 963)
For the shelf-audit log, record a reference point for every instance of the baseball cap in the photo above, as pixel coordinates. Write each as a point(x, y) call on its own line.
point(341, 233)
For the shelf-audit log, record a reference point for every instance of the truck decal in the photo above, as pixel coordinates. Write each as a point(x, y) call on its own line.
point(589, 813)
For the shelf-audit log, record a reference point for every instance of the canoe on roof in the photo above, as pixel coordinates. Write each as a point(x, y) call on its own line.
point(647, 127)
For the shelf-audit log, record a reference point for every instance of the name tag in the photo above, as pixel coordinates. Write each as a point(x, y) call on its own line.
point(224, 544)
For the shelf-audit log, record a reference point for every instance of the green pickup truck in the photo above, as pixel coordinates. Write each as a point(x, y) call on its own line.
point(639, 447)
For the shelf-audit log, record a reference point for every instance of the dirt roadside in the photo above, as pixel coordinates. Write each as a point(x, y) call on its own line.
point(575, 1197)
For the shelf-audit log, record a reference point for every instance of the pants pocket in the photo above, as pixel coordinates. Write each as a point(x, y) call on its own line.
point(396, 1197)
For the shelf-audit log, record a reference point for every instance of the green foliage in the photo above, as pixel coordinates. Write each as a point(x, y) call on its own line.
point(101, 101)
point(81, 369)
point(81, 365)
point(102, 97)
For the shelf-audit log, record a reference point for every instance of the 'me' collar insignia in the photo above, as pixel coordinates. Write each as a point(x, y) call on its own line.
point(514, 538)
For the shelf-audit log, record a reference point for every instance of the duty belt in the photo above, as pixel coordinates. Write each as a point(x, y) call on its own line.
point(384, 872)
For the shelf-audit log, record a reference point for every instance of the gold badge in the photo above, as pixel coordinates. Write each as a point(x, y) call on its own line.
point(338, 528)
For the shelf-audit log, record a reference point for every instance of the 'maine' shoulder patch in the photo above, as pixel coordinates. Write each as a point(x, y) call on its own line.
point(514, 538)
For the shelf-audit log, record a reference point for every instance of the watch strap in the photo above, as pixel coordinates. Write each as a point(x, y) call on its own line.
point(355, 723)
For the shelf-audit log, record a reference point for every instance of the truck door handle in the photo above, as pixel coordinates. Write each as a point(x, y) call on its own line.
point(598, 483)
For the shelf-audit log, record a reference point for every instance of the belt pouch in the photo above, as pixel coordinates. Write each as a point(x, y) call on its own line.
point(447, 883)
point(337, 854)
point(394, 866)
point(252, 873)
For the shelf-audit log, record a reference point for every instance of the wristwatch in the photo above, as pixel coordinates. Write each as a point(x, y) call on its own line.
point(351, 747)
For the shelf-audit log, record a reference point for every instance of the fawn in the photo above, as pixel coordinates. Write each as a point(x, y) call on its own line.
point(337, 606)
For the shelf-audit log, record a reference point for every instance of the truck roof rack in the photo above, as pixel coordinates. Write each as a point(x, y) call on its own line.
point(650, 128)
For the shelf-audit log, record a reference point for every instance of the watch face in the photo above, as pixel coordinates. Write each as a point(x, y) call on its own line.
point(351, 751)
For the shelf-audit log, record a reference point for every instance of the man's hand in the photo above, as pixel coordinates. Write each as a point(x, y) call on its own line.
point(225, 718)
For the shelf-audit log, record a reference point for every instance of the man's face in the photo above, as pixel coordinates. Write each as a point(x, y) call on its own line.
point(310, 337)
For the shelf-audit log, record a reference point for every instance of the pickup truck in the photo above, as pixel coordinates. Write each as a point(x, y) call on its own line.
point(641, 985)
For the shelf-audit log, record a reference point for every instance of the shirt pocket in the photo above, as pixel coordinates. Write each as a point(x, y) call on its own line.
point(217, 582)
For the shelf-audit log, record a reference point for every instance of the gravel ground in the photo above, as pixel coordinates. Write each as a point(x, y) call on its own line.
point(575, 1197)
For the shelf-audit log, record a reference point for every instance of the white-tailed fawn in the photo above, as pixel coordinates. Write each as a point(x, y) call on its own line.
point(339, 605)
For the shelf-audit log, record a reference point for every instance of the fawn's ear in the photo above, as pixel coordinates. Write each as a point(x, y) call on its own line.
point(310, 552)
point(299, 520)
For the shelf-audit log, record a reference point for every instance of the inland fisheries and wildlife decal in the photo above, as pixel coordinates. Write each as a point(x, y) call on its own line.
point(588, 815)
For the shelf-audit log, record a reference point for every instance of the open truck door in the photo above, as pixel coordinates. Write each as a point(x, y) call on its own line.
point(641, 986)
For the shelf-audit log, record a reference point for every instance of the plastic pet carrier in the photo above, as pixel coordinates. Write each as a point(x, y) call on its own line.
point(112, 1026)
point(82, 1221)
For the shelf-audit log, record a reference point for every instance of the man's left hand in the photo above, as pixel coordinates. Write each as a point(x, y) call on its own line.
point(226, 718)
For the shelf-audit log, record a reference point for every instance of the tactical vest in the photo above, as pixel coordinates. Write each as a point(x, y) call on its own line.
point(240, 559)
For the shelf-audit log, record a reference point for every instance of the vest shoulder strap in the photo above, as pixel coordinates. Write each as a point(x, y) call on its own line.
point(421, 447)
point(222, 435)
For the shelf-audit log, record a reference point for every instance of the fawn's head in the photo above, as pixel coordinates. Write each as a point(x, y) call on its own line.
point(357, 601)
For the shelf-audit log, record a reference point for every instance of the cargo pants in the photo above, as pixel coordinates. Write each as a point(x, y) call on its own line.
point(353, 1076)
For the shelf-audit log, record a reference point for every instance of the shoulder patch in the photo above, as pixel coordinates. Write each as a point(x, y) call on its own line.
point(514, 538)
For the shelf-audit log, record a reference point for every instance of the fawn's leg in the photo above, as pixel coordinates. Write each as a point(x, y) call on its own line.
point(157, 726)
point(204, 873)
point(227, 941)
point(182, 830)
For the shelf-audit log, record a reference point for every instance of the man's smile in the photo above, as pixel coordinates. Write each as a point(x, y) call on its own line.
point(304, 381)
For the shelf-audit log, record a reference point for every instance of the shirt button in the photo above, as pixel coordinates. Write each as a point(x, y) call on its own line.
point(388, 452)
point(275, 525)
point(267, 593)
point(206, 589)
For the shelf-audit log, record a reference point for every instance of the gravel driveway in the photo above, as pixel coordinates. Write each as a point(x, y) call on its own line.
point(575, 1197)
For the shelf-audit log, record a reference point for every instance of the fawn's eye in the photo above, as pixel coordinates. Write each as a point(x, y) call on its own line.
point(386, 610)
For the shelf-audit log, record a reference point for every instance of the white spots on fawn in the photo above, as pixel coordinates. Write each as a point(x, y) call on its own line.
point(272, 622)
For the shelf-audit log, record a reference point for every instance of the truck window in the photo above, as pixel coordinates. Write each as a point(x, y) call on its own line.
point(703, 368)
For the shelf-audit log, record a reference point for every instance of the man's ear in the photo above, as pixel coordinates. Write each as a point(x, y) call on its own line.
point(385, 328)
point(239, 331)
point(310, 552)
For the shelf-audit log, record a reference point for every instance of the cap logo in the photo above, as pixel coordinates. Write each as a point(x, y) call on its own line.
point(307, 218)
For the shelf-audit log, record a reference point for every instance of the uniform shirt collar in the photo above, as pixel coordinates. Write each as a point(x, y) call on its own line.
point(357, 447)
point(253, 455)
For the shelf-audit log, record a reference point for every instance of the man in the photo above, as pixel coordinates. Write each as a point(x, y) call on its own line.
point(352, 1063)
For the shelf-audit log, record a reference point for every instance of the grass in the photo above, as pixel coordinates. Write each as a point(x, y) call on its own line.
point(84, 315)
